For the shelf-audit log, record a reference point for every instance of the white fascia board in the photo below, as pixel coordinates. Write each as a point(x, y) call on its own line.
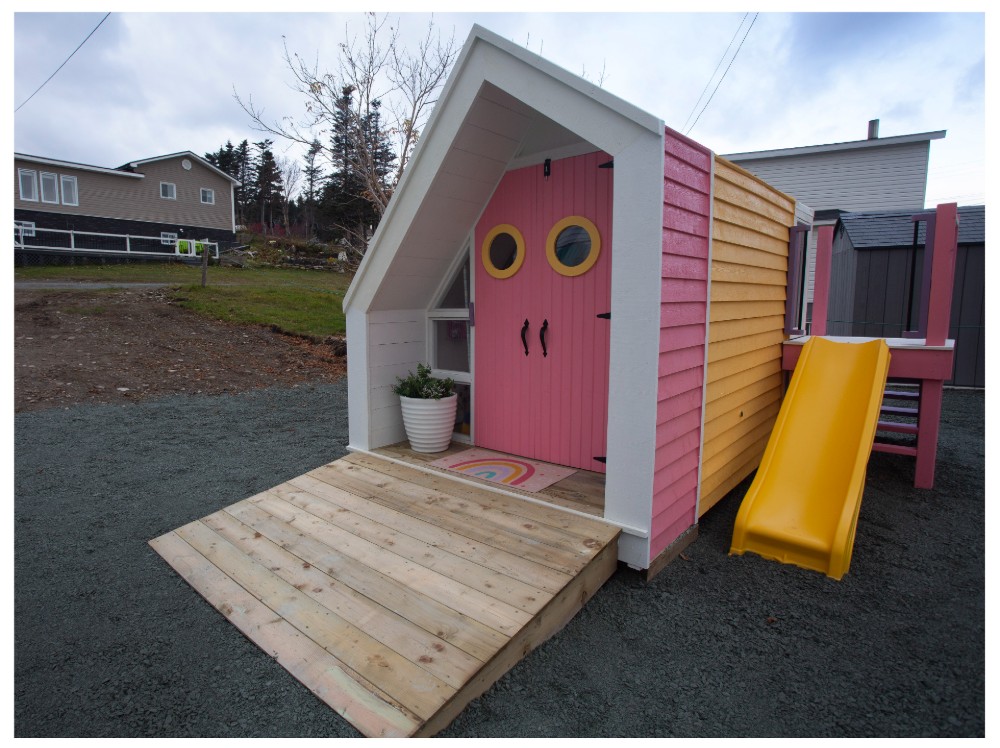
point(410, 193)
point(354, 293)
point(848, 146)
point(358, 389)
point(487, 57)
point(72, 165)
point(636, 288)
point(620, 106)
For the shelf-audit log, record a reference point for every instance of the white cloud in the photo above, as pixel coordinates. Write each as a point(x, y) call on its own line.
point(153, 83)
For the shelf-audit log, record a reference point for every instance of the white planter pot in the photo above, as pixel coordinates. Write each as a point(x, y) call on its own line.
point(429, 423)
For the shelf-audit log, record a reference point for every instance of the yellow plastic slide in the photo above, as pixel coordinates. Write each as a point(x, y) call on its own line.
point(802, 507)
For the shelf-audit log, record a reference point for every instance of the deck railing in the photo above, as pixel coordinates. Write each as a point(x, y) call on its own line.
point(63, 241)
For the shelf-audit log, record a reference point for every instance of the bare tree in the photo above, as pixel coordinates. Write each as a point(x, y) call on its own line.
point(397, 86)
point(290, 174)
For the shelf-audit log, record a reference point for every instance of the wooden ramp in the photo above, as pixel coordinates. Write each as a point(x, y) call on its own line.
point(394, 595)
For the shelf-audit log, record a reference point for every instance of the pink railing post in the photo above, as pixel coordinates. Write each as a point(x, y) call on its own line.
point(821, 285)
point(942, 273)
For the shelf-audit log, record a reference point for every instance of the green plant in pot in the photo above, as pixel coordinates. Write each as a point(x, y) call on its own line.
point(429, 405)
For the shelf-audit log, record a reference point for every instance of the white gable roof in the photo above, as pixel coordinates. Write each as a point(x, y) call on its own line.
point(501, 107)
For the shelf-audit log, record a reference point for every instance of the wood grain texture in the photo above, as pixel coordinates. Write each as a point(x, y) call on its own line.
point(394, 595)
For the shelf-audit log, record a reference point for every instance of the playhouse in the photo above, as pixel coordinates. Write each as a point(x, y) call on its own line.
point(610, 294)
point(615, 301)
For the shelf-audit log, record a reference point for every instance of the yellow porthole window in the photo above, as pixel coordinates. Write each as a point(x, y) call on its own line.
point(573, 246)
point(503, 251)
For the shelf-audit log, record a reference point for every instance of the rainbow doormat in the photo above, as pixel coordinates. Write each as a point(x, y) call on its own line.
point(515, 472)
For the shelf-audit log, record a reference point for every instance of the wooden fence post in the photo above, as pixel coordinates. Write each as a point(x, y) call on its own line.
point(204, 263)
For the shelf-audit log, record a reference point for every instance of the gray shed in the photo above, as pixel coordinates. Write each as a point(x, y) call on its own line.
point(876, 261)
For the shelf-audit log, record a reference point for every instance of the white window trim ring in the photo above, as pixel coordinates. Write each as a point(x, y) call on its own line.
point(211, 194)
point(63, 180)
point(55, 187)
point(33, 175)
point(174, 190)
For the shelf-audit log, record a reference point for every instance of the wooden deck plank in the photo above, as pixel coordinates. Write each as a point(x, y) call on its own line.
point(432, 653)
point(362, 590)
point(552, 619)
point(408, 685)
point(582, 491)
point(466, 633)
point(474, 527)
point(481, 490)
point(496, 614)
point(512, 515)
point(500, 560)
point(396, 539)
point(312, 665)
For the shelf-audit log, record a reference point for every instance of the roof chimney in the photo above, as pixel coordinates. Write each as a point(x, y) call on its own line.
point(873, 129)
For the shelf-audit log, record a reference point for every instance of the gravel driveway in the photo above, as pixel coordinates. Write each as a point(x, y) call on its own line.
point(109, 641)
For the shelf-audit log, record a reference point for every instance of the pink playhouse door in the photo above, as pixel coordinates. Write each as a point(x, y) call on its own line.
point(542, 317)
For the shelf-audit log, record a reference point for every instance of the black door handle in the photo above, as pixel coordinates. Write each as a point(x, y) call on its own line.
point(541, 337)
point(524, 337)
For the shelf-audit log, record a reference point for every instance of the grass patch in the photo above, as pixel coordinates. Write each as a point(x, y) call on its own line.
point(313, 312)
point(180, 274)
point(301, 302)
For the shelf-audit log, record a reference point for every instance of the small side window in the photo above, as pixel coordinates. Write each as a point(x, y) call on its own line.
point(27, 180)
point(207, 196)
point(50, 187)
point(168, 238)
point(168, 190)
point(24, 228)
point(70, 196)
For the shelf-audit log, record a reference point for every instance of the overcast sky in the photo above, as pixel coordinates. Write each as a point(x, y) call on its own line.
point(148, 84)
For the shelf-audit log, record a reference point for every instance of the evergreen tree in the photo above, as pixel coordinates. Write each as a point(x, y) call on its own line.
point(267, 187)
point(313, 179)
point(237, 163)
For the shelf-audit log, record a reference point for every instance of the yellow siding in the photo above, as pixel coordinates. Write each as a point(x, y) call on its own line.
point(750, 222)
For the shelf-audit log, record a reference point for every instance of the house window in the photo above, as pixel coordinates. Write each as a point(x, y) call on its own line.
point(70, 196)
point(24, 228)
point(50, 187)
point(27, 180)
point(168, 190)
point(168, 238)
point(450, 340)
point(207, 196)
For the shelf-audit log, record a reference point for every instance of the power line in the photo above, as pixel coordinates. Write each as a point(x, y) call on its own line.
point(64, 62)
point(712, 76)
point(724, 74)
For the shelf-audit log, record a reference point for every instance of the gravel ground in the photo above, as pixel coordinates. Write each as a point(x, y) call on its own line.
point(109, 641)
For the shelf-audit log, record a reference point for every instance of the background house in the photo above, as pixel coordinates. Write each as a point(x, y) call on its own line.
point(876, 174)
point(876, 262)
point(170, 197)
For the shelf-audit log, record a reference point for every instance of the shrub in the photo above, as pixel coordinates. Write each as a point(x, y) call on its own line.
point(423, 386)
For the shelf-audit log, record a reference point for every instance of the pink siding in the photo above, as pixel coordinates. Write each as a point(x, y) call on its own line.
point(683, 312)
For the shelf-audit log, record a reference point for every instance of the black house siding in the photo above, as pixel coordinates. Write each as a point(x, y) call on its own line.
point(96, 224)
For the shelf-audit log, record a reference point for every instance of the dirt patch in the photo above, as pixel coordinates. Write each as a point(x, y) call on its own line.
point(120, 345)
